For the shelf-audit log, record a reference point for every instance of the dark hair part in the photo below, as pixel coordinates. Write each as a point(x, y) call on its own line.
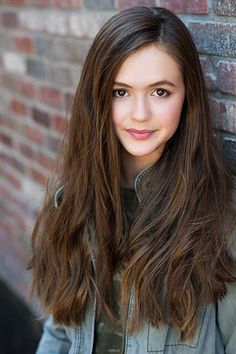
point(177, 241)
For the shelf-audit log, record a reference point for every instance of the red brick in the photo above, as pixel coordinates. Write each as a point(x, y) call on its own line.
point(185, 6)
point(226, 76)
point(18, 107)
point(38, 177)
point(34, 134)
point(50, 95)
point(58, 123)
point(9, 19)
point(27, 89)
point(26, 151)
point(23, 44)
point(125, 4)
point(16, 2)
point(19, 85)
point(45, 161)
point(5, 139)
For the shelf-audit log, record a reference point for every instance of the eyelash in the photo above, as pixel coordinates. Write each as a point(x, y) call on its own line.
point(114, 92)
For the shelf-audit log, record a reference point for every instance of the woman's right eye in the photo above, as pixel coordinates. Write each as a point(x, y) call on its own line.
point(119, 93)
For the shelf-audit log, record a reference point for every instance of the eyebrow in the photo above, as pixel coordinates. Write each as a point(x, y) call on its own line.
point(154, 84)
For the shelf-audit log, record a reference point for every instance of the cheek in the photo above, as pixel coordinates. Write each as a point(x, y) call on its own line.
point(119, 113)
point(170, 114)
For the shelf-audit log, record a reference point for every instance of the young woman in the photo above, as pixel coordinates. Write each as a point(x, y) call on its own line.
point(133, 250)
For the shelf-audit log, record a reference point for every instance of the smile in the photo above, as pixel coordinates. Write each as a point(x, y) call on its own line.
point(140, 134)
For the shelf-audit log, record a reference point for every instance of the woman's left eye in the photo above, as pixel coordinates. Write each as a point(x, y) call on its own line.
point(161, 93)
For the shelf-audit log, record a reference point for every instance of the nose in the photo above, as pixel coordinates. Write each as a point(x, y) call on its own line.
point(141, 109)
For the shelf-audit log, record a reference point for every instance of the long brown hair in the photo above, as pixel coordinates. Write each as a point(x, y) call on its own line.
point(177, 241)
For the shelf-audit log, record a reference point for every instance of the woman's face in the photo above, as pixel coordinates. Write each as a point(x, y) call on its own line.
point(148, 95)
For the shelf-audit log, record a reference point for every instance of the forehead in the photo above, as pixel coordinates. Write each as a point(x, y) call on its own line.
point(150, 63)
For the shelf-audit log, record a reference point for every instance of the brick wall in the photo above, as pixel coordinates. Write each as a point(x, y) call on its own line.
point(43, 44)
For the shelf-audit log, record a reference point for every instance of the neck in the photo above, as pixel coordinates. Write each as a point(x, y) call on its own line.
point(131, 166)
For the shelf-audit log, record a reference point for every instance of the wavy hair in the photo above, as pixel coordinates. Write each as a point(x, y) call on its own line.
point(176, 247)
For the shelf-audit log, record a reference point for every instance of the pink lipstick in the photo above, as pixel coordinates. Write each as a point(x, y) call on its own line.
point(140, 134)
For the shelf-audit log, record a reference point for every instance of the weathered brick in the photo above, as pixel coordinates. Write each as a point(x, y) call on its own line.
point(14, 63)
point(9, 82)
point(5, 43)
point(214, 38)
point(9, 19)
point(53, 144)
point(209, 72)
point(70, 50)
point(60, 75)
point(33, 134)
point(5, 139)
point(125, 4)
point(66, 50)
point(100, 4)
point(223, 113)
point(225, 7)
point(41, 117)
point(23, 44)
point(87, 25)
point(185, 6)
point(32, 19)
point(18, 106)
point(36, 68)
point(43, 45)
point(229, 147)
point(56, 23)
point(68, 3)
point(226, 76)
point(51, 96)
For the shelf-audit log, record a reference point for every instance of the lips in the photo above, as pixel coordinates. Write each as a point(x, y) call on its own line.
point(140, 134)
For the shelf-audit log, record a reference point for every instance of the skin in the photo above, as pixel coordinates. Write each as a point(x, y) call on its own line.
point(148, 96)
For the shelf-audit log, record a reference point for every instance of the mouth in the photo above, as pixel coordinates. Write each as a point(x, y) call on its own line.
point(140, 134)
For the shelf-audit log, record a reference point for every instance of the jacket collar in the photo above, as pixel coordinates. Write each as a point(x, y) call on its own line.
point(141, 184)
